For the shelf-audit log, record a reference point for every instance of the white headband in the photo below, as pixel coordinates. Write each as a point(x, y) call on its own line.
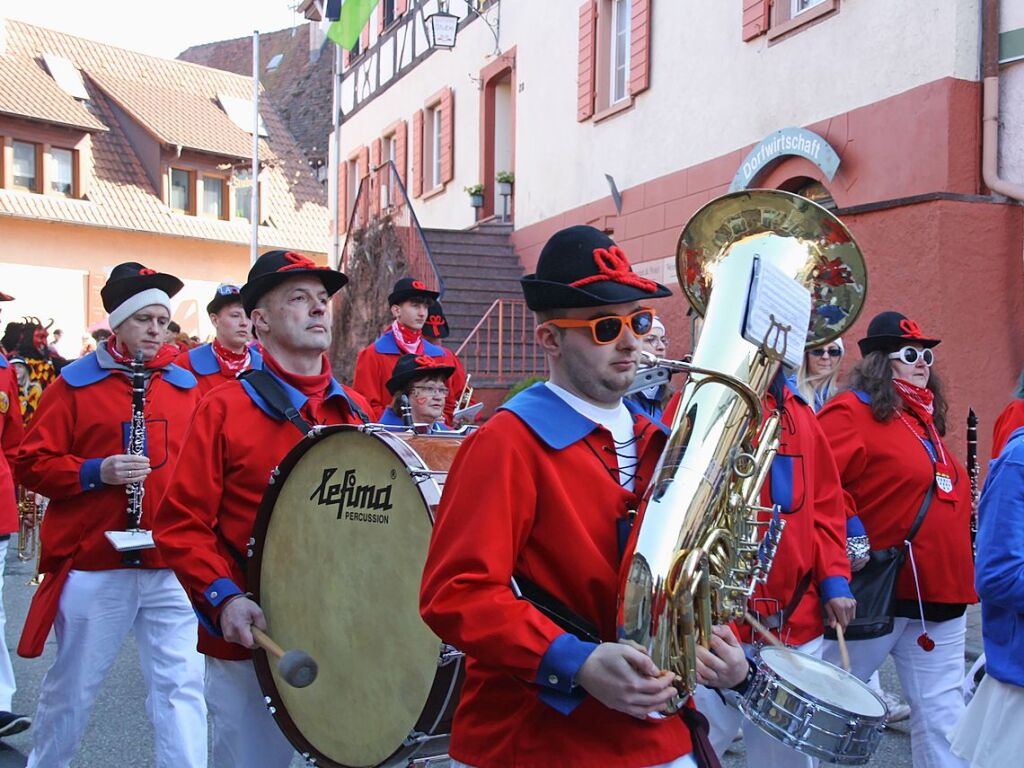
point(657, 324)
point(133, 304)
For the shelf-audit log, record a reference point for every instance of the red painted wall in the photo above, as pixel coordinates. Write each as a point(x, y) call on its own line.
point(954, 266)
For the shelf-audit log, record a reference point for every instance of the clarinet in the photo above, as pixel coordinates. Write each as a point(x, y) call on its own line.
point(136, 447)
point(973, 472)
point(406, 411)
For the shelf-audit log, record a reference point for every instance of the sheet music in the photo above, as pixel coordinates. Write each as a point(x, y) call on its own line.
point(776, 303)
point(124, 541)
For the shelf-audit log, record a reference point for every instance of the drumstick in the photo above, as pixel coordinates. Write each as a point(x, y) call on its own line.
point(769, 637)
point(844, 654)
point(297, 668)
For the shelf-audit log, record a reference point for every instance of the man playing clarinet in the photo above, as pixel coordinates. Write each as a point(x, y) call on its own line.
point(237, 437)
point(76, 452)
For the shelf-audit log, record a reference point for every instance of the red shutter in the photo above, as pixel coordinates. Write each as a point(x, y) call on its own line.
point(447, 136)
point(417, 153)
point(342, 195)
point(364, 162)
point(587, 57)
point(401, 6)
point(346, 57)
point(364, 39)
point(640, 48)
point(755, 17)
point(375, 153)
point(379, 13)
point(401, 139)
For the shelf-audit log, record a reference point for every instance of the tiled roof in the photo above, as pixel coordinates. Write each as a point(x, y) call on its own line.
point(27, 90)
point(300, 89)
point(177, 103)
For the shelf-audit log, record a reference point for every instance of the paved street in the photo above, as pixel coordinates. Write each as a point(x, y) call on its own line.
point(119, 733)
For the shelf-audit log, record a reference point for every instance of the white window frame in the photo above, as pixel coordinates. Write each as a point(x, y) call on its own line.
point(620, 9)
point(435, 165)
point(55, 165)
point(796, 8)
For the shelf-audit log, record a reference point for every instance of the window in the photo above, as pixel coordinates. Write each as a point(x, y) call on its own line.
point(799, 6)
point(62, 171)
point(26, 166)
point(352, 183)
point(275, 62)
point(213, 197)
point(432, 147)
point(181, 190)
point(387, 8)
point(619, 50)
point(241, 181)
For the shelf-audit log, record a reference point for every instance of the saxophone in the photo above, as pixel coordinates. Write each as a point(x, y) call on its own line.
point(702, 541)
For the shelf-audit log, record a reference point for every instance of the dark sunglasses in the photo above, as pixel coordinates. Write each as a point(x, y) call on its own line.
point(833, 352)
point(608, 329)
point(909, 355)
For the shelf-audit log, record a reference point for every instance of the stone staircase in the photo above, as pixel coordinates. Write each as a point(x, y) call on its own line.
point(478, 266)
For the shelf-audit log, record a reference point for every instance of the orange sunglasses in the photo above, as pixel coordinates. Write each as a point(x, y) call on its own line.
point(608, 329)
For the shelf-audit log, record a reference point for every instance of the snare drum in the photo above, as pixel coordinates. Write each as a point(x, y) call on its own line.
point(814, 707)
point(338, 552)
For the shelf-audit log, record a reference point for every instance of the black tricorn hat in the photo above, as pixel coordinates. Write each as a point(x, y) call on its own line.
point(411, 367)
point(130, 278)
point(436, 325)
point(409, 288)
point(226, 294)
point(274, 267)
point(888, 331)
point(582, 267)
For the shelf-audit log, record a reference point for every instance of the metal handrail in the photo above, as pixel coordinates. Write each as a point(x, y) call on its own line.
point(501, 347)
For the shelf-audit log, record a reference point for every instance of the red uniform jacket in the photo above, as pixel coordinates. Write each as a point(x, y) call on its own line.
point(1009, 420)
point(203, 364)
point(11, 432)
point(374, 367)
point(804, 482)
point(83, 417)
point(204, 524)
point(532, 493)
point(886, 472)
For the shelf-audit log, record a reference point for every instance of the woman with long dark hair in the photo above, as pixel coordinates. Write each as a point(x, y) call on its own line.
point(886, 433)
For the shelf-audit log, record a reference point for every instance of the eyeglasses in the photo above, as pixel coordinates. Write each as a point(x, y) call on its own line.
point(653, 340)
point(832, 352)
point(909, 355)
point(608, 329)
point(442, 391)
point(227, 290)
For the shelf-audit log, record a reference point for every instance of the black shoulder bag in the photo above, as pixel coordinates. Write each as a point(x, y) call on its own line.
point(874, 585)
point(272, 393)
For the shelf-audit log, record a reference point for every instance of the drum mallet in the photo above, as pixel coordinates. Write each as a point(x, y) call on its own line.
point(297, 668)
point(844, 654)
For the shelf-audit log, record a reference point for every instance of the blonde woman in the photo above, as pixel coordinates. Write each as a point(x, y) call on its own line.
point(817, 378)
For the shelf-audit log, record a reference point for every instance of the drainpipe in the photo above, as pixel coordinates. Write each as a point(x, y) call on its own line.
point(990, 105)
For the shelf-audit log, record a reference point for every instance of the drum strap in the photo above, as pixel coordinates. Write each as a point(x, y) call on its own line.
point(777, 621)
point(555, 610)
point(275, 397)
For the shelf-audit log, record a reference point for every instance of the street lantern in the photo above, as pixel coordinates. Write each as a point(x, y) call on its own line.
point(442, 27)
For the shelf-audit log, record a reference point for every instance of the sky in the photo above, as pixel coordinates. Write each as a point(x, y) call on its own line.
point(158, 28)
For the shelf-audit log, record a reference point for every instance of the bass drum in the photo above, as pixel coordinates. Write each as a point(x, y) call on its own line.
point(338, 551)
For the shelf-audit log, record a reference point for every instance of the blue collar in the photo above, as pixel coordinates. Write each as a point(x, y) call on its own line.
point(553, 420)
point(295, 397)
point(204, 361)
point(863, 396)
point(3, 362)
point(386, 345)
point(86, 370)
point(794, 388)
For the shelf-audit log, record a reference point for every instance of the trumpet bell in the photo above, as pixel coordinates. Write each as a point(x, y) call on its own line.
point(800, 236)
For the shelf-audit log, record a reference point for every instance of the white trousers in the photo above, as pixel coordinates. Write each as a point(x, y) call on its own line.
point(931, 681)
point(97, 610)
point(686, 761)
point(7, 686)
point(244, 731)
point(763, 751)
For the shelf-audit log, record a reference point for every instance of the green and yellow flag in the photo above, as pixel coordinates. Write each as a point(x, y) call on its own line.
point(354, 16)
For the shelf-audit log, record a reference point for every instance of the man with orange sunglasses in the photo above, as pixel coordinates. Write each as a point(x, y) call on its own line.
point(566, 462)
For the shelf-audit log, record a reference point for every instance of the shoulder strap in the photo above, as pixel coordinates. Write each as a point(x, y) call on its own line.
point(921, 512)
point(275, 397)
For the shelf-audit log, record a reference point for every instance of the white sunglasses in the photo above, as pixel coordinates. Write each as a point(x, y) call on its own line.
point(909, 355)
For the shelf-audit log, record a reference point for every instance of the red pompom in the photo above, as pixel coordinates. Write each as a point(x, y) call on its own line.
point(926, 642)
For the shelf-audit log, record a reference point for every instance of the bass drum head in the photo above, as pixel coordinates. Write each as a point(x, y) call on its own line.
point(824, 682)
point(340, 543)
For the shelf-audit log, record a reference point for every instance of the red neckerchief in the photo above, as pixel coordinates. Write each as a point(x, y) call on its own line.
point(313, 387)
point(408, 340)
point(920, 402)
point(231, 363)
point(164, 356)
